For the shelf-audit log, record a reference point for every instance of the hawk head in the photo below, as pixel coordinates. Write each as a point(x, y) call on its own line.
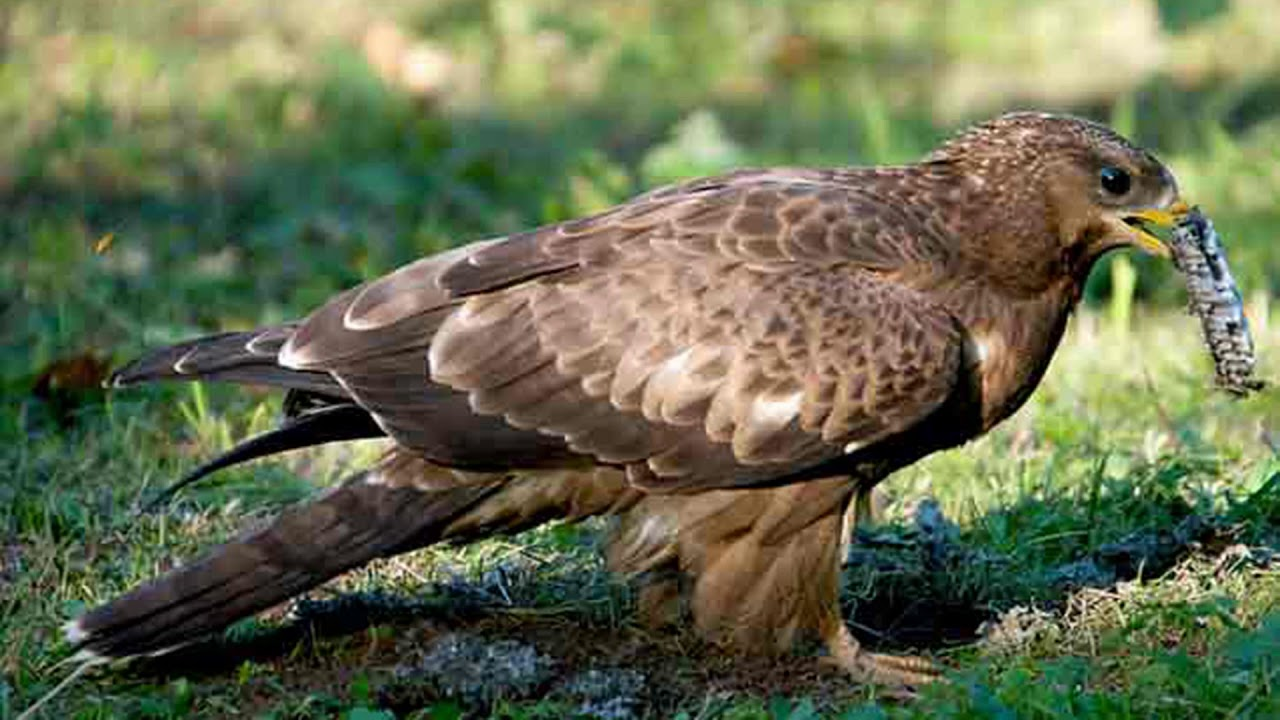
point(1061, 189)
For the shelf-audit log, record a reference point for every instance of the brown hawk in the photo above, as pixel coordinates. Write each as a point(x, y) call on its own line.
point(727, 365)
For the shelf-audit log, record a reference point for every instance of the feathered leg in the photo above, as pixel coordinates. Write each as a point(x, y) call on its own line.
point(763, 566)
point(846, 652)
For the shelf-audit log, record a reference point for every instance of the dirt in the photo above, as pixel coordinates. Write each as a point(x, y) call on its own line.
point(457, 645)
point(633, 672)
point(477, 671)
point(478, 658)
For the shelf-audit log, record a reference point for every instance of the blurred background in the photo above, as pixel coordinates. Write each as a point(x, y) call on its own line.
point(170, 168)
point(173, 168)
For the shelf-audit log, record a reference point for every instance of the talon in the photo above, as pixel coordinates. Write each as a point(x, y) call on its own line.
point(900, 673)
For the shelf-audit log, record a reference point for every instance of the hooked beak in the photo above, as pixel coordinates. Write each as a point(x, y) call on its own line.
point(1165, 218)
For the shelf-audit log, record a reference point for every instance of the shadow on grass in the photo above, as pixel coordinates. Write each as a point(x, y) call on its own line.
point(923, 586)
point(933, 593)
point(312, 621)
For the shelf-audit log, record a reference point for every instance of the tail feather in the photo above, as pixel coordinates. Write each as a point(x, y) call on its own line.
point(318, 409)
point(374, 513)
point(220, 351)
point(239, 357)
point(333, 423)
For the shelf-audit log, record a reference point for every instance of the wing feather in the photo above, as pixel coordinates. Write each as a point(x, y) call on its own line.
point(740, 378)
point(722, 332)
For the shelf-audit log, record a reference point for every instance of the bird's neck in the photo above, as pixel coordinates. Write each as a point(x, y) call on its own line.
point(1003, 235)
point(1013, 339)
point(1004, 275)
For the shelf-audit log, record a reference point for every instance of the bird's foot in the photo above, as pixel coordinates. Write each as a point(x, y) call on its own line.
point(896, 673)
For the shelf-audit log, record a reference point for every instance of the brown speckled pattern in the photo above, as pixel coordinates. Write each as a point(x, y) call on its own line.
point(725, 364)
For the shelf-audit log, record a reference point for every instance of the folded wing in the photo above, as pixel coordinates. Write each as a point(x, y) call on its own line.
point(731, 331)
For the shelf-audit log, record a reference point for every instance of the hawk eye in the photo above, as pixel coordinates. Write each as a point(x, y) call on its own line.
point(1114, 180)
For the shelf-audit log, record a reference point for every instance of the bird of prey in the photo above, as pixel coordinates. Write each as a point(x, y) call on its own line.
point(727, 366)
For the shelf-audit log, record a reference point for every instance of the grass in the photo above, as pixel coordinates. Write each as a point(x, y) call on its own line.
point(175, 169)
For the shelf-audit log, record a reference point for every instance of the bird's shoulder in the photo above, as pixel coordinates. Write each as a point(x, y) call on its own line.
point(876, 218)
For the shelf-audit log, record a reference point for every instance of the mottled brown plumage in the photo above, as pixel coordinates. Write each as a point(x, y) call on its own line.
point(724, 364)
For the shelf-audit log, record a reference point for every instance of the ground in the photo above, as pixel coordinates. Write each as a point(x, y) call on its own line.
point(1110, 551)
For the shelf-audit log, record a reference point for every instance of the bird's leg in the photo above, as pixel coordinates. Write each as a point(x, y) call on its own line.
point(844, 651)
point(763, 567)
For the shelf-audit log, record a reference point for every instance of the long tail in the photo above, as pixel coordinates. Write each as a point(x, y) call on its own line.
point(330, 424)
point(402, 504)
point(306, 545)
point(378, 512)
point(317, 409)
point(248, 358)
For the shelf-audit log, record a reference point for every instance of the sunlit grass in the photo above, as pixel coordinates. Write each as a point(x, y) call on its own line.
point(1099, 459)
point(250, 159)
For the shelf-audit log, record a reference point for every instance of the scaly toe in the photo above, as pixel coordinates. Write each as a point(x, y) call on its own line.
point(901, 672)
